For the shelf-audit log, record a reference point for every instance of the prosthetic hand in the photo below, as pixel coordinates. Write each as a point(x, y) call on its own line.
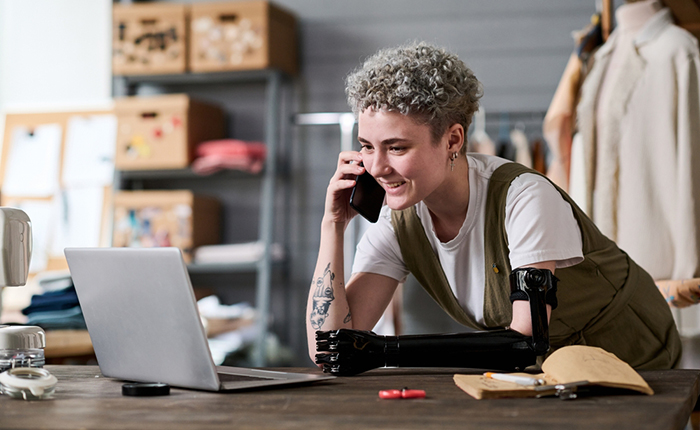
point(347, 352)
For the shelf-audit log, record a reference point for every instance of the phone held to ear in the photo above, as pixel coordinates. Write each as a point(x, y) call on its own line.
point(367, 197)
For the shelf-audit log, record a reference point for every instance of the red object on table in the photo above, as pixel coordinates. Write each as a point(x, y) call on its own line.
point(402, 394)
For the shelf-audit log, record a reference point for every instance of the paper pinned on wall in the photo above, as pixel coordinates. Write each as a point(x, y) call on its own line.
point(78, 220)
point(33, 162)
point(40, 214)
point(89, 153)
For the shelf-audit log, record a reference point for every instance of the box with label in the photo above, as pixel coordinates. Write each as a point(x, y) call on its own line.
point(149, 38)
point(165, 218)
point(245, 35)
point(162, 132)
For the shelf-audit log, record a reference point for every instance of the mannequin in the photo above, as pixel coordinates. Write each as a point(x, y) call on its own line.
point(638, 138)
point(631, 18)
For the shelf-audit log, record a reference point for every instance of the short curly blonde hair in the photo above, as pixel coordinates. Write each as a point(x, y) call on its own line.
point(419, 80)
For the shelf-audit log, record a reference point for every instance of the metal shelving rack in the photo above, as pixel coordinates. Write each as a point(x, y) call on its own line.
point(273, 79)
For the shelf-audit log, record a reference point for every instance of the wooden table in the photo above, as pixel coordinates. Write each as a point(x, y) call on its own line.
point(85, 399)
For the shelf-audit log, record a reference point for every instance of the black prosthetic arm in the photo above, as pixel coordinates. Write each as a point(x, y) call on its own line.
point(347, 352)
point(350, 352)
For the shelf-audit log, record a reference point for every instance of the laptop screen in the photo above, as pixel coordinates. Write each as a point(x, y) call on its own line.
point(142, 315)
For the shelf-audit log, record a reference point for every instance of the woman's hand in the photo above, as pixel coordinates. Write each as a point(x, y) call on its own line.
point(338, 208)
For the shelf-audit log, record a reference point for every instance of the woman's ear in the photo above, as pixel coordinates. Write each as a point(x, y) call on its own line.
point(455, 137)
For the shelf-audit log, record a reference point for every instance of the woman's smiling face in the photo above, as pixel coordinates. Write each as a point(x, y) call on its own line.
point(402, 157)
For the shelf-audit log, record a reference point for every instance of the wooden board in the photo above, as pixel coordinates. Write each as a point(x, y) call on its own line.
point(86, 399)
point(32, 120)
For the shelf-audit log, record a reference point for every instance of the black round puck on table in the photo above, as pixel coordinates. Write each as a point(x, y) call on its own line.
point(145, 389)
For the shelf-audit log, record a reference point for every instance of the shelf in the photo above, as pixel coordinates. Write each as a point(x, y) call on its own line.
point(183, 174)
point(124, 85)
point(226, 268)
point(221, 268)
point(201, 78)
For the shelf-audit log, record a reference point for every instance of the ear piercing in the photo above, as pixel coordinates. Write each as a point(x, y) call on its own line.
point(453, 157)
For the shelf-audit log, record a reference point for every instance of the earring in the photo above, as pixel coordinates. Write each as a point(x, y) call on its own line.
point(453, 157)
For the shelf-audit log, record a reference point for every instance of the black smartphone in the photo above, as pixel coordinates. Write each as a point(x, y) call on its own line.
point(367, 197)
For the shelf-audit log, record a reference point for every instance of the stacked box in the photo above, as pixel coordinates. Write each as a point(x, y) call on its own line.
point(242, 36)
point(165, 218)
point(162, 132)
point(149, 38)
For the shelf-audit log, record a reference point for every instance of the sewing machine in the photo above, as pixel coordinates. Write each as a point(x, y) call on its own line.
point(15, 254)
point(16, 242)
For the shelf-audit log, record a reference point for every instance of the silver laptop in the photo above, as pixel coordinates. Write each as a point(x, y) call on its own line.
point(142, 317)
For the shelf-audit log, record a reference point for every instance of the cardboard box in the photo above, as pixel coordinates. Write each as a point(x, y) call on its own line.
point(242, 36)
point(165, 218)
point(162, 132)
point(149, 38)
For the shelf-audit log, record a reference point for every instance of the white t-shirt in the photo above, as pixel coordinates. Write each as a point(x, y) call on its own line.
point(540, 226)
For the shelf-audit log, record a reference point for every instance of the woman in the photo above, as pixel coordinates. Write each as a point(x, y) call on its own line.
point(481, 216)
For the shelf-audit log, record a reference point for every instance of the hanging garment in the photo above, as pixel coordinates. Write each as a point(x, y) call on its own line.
point(641, 159)
point(523, 153)
point(480, 141)
point(558, 124)
point(557, 127)
point(482, 144)
point(539, 162)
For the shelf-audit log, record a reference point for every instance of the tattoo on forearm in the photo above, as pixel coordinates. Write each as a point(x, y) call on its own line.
point(348, 318)
point(322, 298)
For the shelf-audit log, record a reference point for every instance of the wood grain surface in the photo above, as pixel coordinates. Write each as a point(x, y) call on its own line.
point(85, 399)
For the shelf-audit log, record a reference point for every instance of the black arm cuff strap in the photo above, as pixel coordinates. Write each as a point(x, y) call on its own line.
point(533, 278)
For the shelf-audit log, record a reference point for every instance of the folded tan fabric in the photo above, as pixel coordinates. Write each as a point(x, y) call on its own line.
point(680, 293)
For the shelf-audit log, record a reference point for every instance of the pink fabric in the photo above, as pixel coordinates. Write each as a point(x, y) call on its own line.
point(216, 155)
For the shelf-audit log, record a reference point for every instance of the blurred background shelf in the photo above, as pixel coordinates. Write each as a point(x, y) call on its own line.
point(268, 180)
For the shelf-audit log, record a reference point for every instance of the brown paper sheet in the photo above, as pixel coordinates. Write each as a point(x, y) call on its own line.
point(566, 365)
point(595, 365)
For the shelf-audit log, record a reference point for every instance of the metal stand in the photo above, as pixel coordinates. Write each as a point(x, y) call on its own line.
point(126, 85)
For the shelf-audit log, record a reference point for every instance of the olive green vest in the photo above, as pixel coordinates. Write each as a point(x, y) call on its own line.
point(606, 301)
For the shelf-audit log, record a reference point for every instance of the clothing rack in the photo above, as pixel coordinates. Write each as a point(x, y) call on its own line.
point(494, 121)
point(498, 123)
point(526, 116)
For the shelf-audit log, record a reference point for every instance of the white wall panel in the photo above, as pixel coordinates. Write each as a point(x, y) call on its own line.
point(54, 53)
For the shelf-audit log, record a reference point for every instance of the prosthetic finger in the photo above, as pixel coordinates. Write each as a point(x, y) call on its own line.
point(349, 351)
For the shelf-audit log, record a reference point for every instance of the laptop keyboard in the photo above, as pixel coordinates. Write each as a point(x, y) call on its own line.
point(227, 377)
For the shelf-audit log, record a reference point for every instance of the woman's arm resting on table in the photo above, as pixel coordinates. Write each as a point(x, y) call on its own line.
point(359, 305)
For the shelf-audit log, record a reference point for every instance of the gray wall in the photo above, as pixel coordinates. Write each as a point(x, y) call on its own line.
point(517, 48)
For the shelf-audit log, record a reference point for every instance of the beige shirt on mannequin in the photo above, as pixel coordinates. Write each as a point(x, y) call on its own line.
point(647, 196)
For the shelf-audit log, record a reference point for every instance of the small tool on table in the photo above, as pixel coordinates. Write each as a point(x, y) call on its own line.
point(520, 380)
point(405, 393)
